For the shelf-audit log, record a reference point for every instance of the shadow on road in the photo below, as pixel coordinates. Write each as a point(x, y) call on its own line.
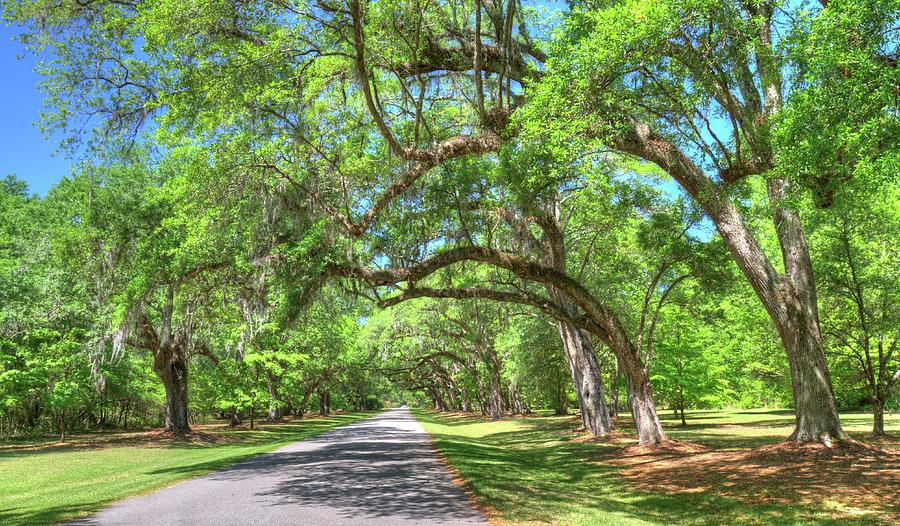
point(378, 471)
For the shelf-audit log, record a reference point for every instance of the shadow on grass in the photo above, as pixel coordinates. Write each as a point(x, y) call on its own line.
point(539, 473)
point(49, 515)
point(204, 436)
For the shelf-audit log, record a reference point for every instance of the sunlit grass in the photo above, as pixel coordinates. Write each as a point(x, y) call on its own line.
point(532, 470)
point(45, 483)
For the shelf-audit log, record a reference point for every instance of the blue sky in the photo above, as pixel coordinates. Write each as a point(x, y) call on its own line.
point(23, 149)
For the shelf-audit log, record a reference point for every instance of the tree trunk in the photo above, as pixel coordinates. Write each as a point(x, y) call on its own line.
point(496, 395)
point(467, 400)
point(451, 393)
point(562, 400)
point(587, 380)
point(439, 403)
point(640, 400)
point(815, 407)
point(275, 411)
point(578, 348)
point(791, 302)
point(482, 402)
point(614, 392)
point(878, 413)
point(235, 418)
point(518, 407)
point(323, 403)
point(789, 299)
point(304, 403)
point(174, 375)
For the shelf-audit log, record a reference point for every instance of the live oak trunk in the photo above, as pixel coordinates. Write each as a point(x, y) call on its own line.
point(324, 408)
point(814, 403)
point(562, 401)
point(640, 399)
point(304, 403)
point(466, 400)
point(173, 372)
point(578, 349)
point(235, 419)
point(454, 402)
point(170, 352)
point(878, 413)
point(794, 310)
point(62, 425)
point(518, 405)
point(275, 410)
point(587, 381)
point(789, 298)
point(614, 392)
point(496, 395)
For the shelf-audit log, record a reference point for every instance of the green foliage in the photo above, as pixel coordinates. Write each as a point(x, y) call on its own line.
point(235, 160)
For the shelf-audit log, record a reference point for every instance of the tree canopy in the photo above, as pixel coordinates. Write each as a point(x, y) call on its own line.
point(479, 205)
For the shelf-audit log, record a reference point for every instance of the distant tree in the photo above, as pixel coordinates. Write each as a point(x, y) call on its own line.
point(859, 270)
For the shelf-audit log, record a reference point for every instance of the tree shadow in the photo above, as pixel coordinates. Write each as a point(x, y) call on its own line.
point(51, 515)
point(533, 474)
point(204, 436)
point(379, 469)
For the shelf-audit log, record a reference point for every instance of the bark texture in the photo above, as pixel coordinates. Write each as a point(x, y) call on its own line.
point(174, 376)
point(586, 377)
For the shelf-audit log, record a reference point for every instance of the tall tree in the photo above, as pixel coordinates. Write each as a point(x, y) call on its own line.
point(696, 88)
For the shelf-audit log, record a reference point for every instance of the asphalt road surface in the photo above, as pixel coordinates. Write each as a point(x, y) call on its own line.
point(379, 471)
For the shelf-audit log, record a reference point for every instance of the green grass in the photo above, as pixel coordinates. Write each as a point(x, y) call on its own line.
point(45, 483)
point(531, 469)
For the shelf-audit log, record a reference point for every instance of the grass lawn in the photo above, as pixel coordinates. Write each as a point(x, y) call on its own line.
point(45, 482)
point(536, 470)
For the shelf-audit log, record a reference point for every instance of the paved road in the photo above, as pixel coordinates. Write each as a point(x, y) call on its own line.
point(378, 471)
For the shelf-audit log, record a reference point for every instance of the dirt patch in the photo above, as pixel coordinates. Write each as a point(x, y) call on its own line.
point(669, 448)
point(196, 437)
point(200, 434)
point(615, 437)
point(850, 479)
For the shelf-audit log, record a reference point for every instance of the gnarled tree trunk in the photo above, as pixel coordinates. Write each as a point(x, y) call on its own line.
point(815, 407)
point(586, 378)
point(640, 400)
point(173, 372)
point(496, 395)
point(275, 410)
point(324, 410)
point(796, 316)
point(789, 298)
point(878, 413)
